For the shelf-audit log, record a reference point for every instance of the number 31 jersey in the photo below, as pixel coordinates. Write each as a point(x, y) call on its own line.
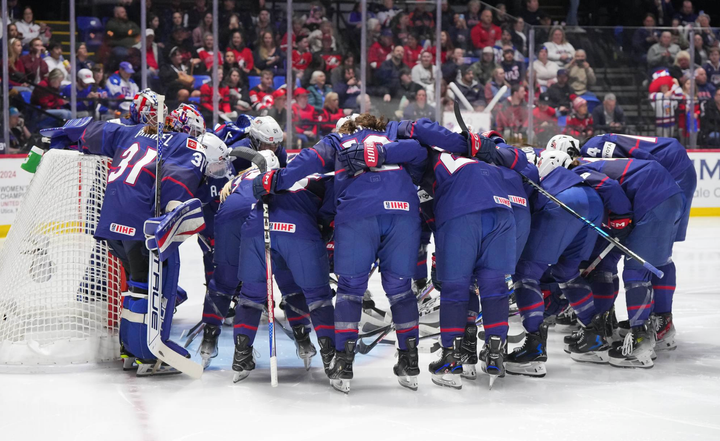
point(130, 194)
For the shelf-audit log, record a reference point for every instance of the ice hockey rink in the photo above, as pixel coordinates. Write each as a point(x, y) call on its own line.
point(679, 399)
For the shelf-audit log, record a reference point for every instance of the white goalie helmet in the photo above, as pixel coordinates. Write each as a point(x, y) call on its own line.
point(144, 107)
point(566, 144)
point(552, 159)
point(270, 159)
point(217, 154)
point(265, 133)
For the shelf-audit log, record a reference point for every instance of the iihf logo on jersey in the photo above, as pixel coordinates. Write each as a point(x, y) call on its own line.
point(397, 205)
point(282, 226)
point(122, 229)
point(502, 201)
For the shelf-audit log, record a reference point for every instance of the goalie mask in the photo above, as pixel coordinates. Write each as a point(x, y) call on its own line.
point(265, 134)
point(566, 144)
point(144, 107)
point(552, 159)
point(186, 119)
point(217, 154)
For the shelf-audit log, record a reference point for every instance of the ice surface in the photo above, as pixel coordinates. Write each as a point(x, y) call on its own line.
point(679, 399)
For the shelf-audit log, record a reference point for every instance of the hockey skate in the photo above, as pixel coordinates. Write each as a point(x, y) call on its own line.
point(340, 371)
point(209, 345)
point(567, 320)
point(327, 352)
point(128, 359)
point(406, 368)
point(636, 351)
point(531, 357)
point(591, 345)
point(153, 366)
point(468, 352)
point(664, 331)
point(492, 357)
point(243, 358)
point(448, 369)
point(305, 349)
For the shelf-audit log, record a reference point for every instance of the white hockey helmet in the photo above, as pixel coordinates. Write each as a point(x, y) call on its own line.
point(144, 107)
point(187, 119)
point(265, 133)
point(345, 119)
point(271, 160)
point(565, 143)
point(552, 159)
point(531, 155)
point(217, 154)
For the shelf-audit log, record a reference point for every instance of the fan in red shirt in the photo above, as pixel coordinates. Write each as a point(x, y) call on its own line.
point(304, 117)
point(381, 49)
point(301, 57)
point(331, 113)
point(206, 94)
point(544, 119)
point(580, 123)
point(205, 53)
point(261, 95)
point(331, 57)
point(446, 48)
point(412, 51)
point(298, 28)
point(485, 33)
point(243, 55)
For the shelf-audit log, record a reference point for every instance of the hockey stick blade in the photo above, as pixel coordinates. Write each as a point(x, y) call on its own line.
point(458, 116)
point(362, 348)
point(250, 155)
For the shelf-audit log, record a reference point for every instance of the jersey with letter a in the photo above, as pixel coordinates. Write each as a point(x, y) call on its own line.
point(667, 151)
point(130, 195)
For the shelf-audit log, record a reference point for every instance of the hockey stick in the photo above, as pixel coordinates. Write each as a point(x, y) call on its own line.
point(156, 302)
point(627, 251)
point(597, 261)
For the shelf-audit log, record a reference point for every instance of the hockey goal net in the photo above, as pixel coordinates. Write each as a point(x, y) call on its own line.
point(59, 287)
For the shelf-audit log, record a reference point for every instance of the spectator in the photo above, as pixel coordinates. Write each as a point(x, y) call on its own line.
point(316, 16)
point(473, 14)
point(401, 28)
point(179, 38)
point(100, 85)
point(544, 119)
point(705, 89)
point(203, 28)
point(644, 38)
point(423, 74)
point(511, 120)
point(264, 24)
point(483, 69)
point(380, 50)
point(496, 83)
point(460, 34)
point(514, 70)
point(207, 55)
point(686, 15)
point(681, 68)
point(348, 89)
point(501, 18)
point(451, 68)
point(388, 75)
point(12, 32)
point(55, 60)
point(176, 79)
point(233, 26)
point(471, 89)
point(446, 15)
point(504, 42)
point(338, 74)
point(298, 30)
point(30, 30)
point(35, 67)
point(519, 39)
point(243, 55)
point(228, 9)
point(121, 33)
point(485, 33)
point(408, 88)
point(237, 90)
point(318, 90)
point(386, 12)
point(85, 94)
point(712, 67)
point(16, 68)
point(580, 122)
point(665, 95)
point(609, 117)
point(268, 56)
point(82, 60)
point(317, 35)
point(153, 55)
point(46, 95)
point(559, 50)
point(412, 52)
point(419, 108)
point(229, 61)
point(196, 15)
point(581, 74)
point(679, 34)
point(561, 94)
point(153, 22)
point(279, 108)
point(304, 117)
point(542, 33)
point(19, 134)
point(206, 98)
point(446, 47)
point(261, 95)
point(423, 22)
point(709, 36)
point(532, 12)
point(301, 57)
point(685, 126)
point(331, 113)
point(121, 85)
point(709, 120)
point(662, 53)
point(701, 55)
point(332, 57)
point(545, 70)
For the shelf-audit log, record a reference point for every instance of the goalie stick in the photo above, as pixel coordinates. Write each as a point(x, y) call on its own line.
point(156, 302)
point(625, 250)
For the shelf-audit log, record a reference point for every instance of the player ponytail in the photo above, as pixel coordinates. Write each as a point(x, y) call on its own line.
point(364, 121)
point(575, 163)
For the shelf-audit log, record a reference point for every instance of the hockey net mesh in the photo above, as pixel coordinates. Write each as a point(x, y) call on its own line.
point(59, 287)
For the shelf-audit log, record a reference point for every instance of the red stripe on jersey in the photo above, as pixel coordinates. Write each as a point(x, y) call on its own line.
point(601, 183)
point(169, 178)
point(622, 177)
point(318, 154)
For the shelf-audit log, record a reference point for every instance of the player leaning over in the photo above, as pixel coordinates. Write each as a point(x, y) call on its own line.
point(377, 218)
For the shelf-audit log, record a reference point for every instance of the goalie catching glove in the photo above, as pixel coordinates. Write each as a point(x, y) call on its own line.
point(167, 232)
point(360, 157)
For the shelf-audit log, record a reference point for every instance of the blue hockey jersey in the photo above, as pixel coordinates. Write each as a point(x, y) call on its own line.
point(609, 190)
point(646, 183)
point(385, 190)
point(667, 151)
point(130, 194)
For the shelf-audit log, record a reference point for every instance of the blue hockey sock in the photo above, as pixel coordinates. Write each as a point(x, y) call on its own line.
point(348, 308)
point(296, 310)
point(319, 302)
point(403, 305)
point(453, 310)
point(250, 306)
point(638, 295)
point(529, 296)
point(495, 307)
point(664, 289)
point(605, 286)
point(578, 292)
point(215, 307)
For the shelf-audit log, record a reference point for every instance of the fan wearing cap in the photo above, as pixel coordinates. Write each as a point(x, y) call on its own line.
point(483, 68)
point(153, 53)
point(121, 85)
point(561, 94)
point(545, 118)
point(665, 94)
point(85, 81)
point(380, 50)
point(580, 123)
point(304, 116)
point(19, 134)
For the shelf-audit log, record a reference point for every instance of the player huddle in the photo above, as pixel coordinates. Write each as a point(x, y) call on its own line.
point(371, 195)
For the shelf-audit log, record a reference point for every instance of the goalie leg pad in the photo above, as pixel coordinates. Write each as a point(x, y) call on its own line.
point(133, 327)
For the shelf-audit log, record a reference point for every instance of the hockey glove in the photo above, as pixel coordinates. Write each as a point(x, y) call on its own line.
point(479, 146)
point(620, 226)
point(360, 157)
point(264, 184)
point(495, 136)
point(167, 232)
